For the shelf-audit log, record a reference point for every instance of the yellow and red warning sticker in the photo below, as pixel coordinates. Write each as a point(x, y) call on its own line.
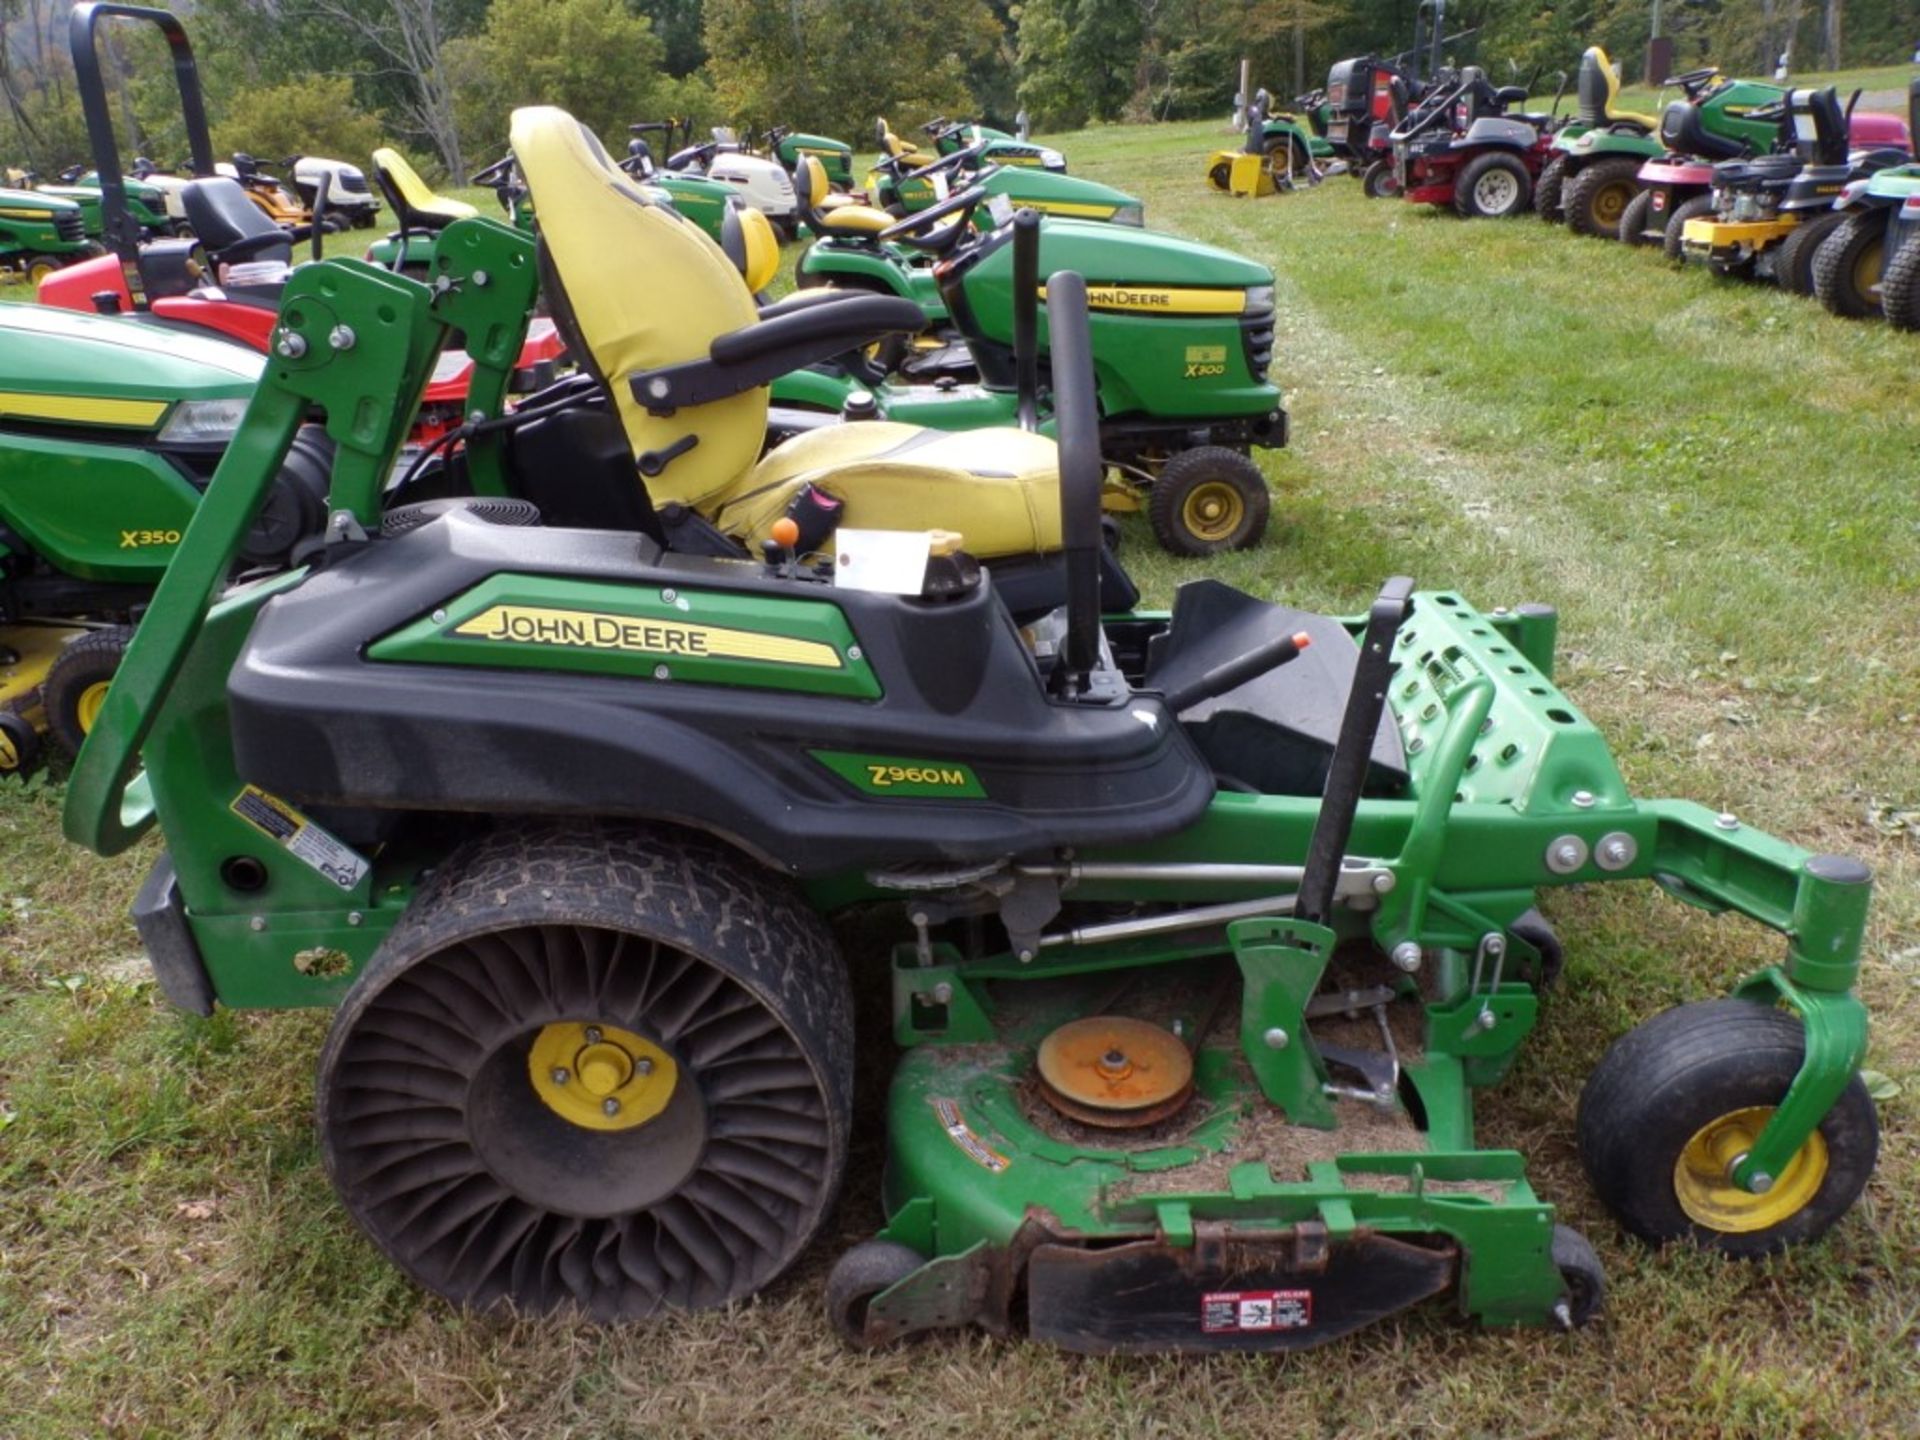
point(962, 1134)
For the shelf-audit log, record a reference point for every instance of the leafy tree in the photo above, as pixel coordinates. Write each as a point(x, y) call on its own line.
point(313, 115)
point(599, 60)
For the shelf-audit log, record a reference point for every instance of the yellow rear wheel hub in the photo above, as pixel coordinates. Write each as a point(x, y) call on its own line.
point(600, 1077)
point(1703, 1176)
point(87, 710)
point(1213, 511)
point(1866, 271)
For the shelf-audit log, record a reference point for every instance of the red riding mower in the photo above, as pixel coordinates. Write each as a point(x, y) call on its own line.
point(1463, 146)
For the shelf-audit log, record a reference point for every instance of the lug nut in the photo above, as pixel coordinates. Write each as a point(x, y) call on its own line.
point(609, 1106)
point(560, 1075)
point(643, 1066)
point(593, 1035)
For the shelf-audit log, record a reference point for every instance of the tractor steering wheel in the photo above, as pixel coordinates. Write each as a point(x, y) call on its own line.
point(914, 229)
point(491, 177)
point(948, 162)
point(1693, 78)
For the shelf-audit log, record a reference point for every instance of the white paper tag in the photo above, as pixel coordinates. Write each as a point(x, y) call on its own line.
point(891, 562)
point(940, 187)
point(1001, 209)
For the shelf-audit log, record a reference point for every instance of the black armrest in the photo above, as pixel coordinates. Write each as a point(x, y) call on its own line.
point(808, 299)
point(757, 354)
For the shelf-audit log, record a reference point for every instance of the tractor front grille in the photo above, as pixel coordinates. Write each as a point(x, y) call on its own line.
point(1256, 336)
point(351, 182)
point(70, 226)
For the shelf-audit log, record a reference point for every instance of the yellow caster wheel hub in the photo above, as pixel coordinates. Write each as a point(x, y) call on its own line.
point(1703, 1175)
point(600, 1077)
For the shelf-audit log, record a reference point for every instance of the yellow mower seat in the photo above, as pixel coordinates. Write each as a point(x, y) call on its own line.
point(1599, 90)
point(413, 200)
point(848, 218)
point(999, 488)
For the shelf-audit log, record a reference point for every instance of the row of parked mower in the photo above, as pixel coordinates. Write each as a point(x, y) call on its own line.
point(1753, 179)
point(546, 753)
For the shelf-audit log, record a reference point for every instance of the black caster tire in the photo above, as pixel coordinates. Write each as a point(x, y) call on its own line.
point(1533, 928)
point(1207, 501)
point(1847, 265)
point(1585, 1279)
point(77, 683)
point(1633, 220)
point(1597, 198)
point(600, 1069)
point(20, 747)
point(867, 1270)
point(1220, 176)
point(1672, 1104)
point(1380, 181)
point(1494, 186)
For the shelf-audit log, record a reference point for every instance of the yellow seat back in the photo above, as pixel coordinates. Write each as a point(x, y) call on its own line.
point(1609, 107)
point(636, 286)
point(408, 191)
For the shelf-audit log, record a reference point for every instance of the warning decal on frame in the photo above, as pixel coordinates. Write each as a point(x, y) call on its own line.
point(1242, 1312)
point(971, 1145)
point(301, 838)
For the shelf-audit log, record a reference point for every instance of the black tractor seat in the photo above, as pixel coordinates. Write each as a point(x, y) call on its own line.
point(1762, 170)
point(234, 231)
point(1682, 131)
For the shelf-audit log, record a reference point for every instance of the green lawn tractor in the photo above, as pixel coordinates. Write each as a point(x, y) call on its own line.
point(39, 233)
point(1211, 923)
point(1713, 121)
point(1589, 179)
point(147, 204)
point(997, 147)
point(110, 429)
point(1182, 338)
point(907, 182)
point(1868, 264)
point(790, 147)
point(1771, 214)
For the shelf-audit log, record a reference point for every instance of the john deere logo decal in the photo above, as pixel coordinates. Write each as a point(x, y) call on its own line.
point(596, 630)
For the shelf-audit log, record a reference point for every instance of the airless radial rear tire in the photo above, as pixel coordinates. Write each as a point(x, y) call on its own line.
point(1846, 267)
point(1678, 1100)
point(1494, 186)
point(1900, 288)
point(1633, 220)
point(1208, 500)
point(1598, 197)
point(594, 1068)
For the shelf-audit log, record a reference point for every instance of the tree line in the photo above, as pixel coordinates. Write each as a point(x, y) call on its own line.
point(438, 77)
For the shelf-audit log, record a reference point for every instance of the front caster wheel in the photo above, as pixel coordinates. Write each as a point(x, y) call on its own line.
point(77, 683)
point(596, 1069)
point(1679, 1099)
point(1380, 182)
point(1580, 1272)
point(864, 1272)
point(1207, 501)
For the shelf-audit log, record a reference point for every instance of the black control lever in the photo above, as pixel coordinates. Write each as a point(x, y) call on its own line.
point(1235, 672)
point(1347, 775)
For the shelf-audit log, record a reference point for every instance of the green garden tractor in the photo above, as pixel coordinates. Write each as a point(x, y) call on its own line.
point(1868, 263)
point(1589, 179)
point(39, 233)
point(1210, 922)
point(1182, 340)
point(907, 181)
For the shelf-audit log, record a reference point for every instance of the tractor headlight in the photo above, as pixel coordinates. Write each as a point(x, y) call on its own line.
point(1134, 214)
point(203, 422)
point(1259, 300)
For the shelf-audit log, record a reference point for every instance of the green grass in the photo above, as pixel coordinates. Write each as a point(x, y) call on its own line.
point(1714, 483)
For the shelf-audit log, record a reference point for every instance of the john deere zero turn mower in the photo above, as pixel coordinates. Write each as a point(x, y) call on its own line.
point(1212, 921)
point(1867, 264)
point(1182, 338)
point(1771, 213)
point(1589, 180)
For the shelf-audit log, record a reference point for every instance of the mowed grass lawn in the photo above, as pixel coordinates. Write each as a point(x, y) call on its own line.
point(1716, 484)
